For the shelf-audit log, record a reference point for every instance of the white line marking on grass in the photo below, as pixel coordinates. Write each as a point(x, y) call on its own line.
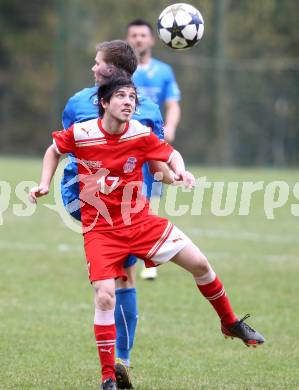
point(281, 257)
point(278, 257)
point(237, 235)
point(22, 246)
point(64, 248)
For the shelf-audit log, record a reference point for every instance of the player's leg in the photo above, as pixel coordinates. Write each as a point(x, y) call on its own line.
point(161, 242)
point(126, 312)
point(104, 327)
point(192, 259)
point(126, 315)
point(105, 254)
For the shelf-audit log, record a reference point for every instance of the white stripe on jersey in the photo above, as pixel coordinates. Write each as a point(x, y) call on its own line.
point(87, 131)
point(135, 130)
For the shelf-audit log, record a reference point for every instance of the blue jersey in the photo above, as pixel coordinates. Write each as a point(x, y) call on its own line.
point(156, 80)
point(84, 106)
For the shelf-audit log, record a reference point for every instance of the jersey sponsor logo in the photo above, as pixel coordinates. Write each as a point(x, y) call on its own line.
point(151, 92)
point(130, 165)
point(85, 131)
point(152, 72)
point(92, 164)
point(177, 239)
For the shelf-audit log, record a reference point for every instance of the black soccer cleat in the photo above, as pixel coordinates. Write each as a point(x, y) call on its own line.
point(241, 330)
point(122, 375)
point(108, 384)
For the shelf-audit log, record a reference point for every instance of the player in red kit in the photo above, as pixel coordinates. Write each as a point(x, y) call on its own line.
point(116, 218)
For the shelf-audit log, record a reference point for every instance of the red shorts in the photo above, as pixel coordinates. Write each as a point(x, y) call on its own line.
point(156, 241)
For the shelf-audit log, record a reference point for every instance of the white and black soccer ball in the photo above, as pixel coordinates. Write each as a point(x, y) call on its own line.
point(180, 26)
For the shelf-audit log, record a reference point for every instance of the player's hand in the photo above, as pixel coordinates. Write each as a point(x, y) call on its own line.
point(37, 192)
point(186, 177)
point(173, 176)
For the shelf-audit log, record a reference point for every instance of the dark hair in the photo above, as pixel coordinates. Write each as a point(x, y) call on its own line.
point(106, 91)
point(141, 22)
point(119, 54)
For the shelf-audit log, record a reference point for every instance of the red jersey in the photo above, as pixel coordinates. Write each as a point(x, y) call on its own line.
point(110, 171)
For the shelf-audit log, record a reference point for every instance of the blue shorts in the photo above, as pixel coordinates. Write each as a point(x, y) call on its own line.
point(131, 260)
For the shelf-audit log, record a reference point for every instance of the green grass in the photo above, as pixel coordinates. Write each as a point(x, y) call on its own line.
point(46, 307)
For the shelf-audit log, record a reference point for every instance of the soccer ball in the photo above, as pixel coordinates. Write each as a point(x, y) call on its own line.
point(180, 26)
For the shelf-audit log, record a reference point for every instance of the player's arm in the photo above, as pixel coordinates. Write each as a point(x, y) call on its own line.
point(172, 106)
point(172, 118)
point(159, 150)
point(161, 172)
point(177, 164)
point(63, 143)
point(50, 162)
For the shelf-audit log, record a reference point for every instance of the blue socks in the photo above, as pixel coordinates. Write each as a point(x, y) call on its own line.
point(126, 315)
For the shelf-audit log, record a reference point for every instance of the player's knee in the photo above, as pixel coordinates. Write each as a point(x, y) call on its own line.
point(104, 300)
point(201, 265)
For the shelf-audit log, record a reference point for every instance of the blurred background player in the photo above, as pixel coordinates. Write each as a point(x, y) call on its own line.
point(111, 57)
point(156, 80)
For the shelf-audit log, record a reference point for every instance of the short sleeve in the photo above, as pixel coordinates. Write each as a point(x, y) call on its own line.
point(64, 141)
point(68, 115)
point(172, 91)
point(157, 149)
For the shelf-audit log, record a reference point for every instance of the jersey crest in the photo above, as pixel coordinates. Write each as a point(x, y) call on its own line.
point(130, 165)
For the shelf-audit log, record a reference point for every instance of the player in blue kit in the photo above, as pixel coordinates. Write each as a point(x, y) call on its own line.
point(111, 58)
point(156, 80)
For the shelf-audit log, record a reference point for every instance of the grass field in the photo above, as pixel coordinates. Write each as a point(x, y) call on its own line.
point(46, 308)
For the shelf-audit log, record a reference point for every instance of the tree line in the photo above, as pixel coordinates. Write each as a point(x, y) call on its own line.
point(239, 84)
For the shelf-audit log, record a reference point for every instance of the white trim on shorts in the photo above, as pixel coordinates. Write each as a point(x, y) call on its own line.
point(172, 241)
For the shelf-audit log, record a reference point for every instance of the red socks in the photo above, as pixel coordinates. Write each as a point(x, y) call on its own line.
point(105, 338)
point(212, 289)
